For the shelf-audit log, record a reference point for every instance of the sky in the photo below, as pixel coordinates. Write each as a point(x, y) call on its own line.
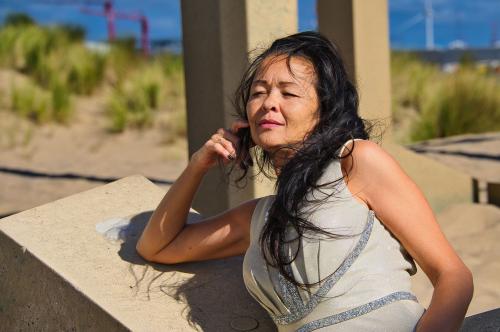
point(471, 21)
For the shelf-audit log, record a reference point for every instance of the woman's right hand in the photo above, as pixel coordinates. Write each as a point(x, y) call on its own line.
point(221, 146)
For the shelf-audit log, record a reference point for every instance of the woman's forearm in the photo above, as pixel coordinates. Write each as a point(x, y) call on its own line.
point(171, 214)
point(450, 300)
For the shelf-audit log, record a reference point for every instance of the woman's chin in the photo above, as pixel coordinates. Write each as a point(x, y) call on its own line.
point(268, 145)
point(268, 149)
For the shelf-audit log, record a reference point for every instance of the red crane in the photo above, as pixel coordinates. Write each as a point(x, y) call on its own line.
point(112, 14)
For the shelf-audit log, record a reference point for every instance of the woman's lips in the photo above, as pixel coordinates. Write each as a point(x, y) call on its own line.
point(269, 124)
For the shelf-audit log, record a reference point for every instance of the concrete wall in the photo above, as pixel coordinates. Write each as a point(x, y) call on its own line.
point(34, 298)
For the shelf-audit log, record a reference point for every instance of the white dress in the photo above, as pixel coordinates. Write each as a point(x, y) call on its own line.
point(365, 277)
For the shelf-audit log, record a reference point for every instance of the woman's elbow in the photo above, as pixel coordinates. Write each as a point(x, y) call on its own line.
point(161, 257)
point(144, 253)
point(469, 279)
point(465, 280)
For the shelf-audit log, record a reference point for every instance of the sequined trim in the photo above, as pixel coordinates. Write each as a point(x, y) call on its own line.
point(358, 311)
point(290, 293)
point(291, 296)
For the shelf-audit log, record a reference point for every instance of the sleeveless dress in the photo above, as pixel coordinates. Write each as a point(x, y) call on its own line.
point(365, 276)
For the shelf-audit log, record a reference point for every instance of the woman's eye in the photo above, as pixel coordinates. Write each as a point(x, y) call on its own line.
point(289, 94)
point(257, 93)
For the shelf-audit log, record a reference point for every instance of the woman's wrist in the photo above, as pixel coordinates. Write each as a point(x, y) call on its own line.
point(197, 167)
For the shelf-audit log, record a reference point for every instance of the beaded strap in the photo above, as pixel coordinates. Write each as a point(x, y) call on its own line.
point(358, 311)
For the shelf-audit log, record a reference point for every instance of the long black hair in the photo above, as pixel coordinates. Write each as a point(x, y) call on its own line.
point(338, 122)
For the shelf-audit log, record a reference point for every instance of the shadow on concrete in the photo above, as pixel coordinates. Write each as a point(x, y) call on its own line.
point(130, 235)
point(212, 292)
point(451, 141)
point(8, 214)
point(457, 153)
point(488, 321)
point(69, 176)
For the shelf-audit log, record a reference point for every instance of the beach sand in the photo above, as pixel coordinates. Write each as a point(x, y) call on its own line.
point(474, 232)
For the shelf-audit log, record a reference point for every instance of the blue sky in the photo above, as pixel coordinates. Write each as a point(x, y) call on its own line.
point(468, 20)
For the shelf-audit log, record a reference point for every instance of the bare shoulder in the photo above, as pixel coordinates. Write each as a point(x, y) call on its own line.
point(401, 206)
point(367, 167)
point(366, 151)
point(367, 158)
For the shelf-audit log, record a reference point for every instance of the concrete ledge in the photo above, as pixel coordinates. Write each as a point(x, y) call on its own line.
point(72, 265)
point(35, 297)
point(488, 321)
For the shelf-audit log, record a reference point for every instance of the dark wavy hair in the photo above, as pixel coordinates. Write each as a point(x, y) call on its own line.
point(338, 122)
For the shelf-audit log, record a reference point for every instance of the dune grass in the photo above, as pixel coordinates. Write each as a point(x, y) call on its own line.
point(143, 92)
point(58, 65)
point(41, 105)
point(30, 101)
point(443, 104)
point(464, 102)
point(47, 54)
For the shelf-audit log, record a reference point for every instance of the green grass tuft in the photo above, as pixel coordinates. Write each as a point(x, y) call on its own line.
point(465, 102)
point(30, 102)
point(58, 66)
point(442, 104)
point(39, 105)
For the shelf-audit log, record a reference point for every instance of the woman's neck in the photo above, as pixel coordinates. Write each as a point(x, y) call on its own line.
point(280, 158)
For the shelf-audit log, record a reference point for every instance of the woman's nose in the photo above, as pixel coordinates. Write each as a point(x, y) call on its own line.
point(271, 102)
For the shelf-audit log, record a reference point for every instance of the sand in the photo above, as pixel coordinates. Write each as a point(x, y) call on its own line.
point(474, 232)
point(84, 147)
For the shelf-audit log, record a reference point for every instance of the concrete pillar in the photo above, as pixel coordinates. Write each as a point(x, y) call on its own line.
point(360, 29)
point(217, 34)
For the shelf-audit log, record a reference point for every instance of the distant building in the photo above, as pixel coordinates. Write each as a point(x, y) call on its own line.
point(99, 47)
point(457, 44)
point(157, 46)
point(166, 46)
point(449, 59)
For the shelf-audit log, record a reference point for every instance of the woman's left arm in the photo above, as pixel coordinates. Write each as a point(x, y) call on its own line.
point(380, 182)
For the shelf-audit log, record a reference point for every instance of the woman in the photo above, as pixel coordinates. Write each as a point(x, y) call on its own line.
point(333, 249)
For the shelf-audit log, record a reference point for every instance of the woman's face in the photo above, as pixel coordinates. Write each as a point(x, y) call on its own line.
point(283, 104)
